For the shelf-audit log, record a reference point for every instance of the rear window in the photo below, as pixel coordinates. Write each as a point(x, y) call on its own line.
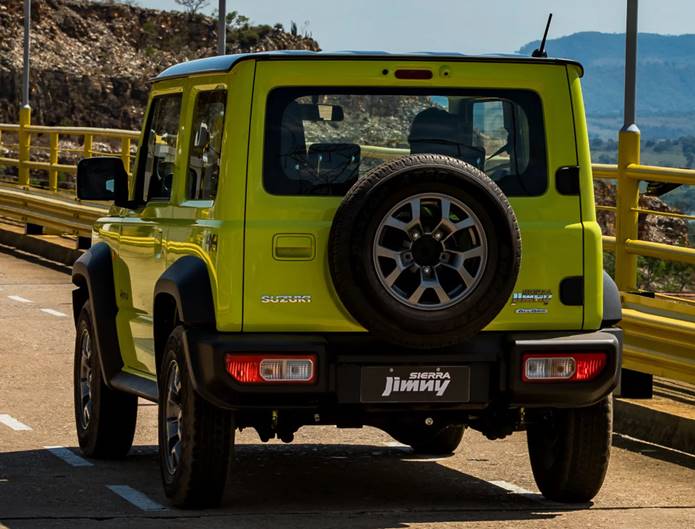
point(321, 141)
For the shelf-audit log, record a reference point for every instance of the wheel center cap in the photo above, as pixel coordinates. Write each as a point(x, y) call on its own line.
point(426, 251)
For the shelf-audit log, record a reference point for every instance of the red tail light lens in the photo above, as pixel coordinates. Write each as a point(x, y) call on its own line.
point(590, 365)
point(271, 369)
point(562, 367)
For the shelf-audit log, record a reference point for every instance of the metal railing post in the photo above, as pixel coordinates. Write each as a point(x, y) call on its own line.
point(627, 189)
point(53, 160)
point(626, 216)
point(24, 140)
point(125, 153)
point(87, 147)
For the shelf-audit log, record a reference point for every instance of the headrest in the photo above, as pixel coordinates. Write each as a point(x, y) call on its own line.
point(435, 124)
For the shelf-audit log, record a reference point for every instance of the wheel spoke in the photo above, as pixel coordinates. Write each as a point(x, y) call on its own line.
point(176, 453)
point(393, 276)
point(446, 209)
point(173, 410)
point(461, 257)
point(394, 223)
point(465, 275)
point(417, 293)
point(415, 211)
point(382, 251)
point(464, 224)
point(439, 290)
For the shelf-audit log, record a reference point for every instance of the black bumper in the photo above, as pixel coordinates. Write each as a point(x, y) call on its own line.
point(494, 361)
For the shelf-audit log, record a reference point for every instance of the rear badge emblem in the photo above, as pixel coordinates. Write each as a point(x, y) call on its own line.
point(532, 296)
point(285, 299)
point(531, 311)
point(434, 382)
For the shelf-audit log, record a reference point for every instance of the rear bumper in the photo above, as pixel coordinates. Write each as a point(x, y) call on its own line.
point(494, 361)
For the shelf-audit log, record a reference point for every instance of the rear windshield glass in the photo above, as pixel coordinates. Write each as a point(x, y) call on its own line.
point(319, 142)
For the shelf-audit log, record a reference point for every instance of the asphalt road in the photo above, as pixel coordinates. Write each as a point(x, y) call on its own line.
point(327, 478)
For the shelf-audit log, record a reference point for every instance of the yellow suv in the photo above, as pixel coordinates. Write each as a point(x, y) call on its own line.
point(402, 241)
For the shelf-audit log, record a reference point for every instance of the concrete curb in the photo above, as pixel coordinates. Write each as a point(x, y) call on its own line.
point(647, 424)
point(39, 247)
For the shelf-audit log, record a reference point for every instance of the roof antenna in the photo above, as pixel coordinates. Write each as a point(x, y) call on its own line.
point(540, 51)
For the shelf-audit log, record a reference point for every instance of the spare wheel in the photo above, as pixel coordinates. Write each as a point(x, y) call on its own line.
point(424, 251)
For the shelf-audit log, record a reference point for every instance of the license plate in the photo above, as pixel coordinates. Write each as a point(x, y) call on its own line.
point(415, 384)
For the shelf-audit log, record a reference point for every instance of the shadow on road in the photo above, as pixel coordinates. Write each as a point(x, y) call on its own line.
point(374, 487)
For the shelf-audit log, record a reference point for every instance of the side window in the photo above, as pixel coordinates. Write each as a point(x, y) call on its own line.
point(206, 145)
point(156, 170)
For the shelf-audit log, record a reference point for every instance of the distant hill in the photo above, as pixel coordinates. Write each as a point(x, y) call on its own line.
point(665, 84)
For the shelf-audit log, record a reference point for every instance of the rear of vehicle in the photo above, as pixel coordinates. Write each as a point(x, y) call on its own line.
point(421, 255)
point(405, 242)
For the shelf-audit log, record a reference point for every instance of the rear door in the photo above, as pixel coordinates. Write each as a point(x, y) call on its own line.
point(287, 281)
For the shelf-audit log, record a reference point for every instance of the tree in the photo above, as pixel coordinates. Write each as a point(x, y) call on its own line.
point(234, 20)
point(193, 6)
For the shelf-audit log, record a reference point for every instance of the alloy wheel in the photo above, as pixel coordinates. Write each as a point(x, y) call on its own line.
point(430, 251)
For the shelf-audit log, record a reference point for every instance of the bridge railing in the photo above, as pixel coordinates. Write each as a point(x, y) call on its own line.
point(659, 328)
point(34, 193)
point(57, 144)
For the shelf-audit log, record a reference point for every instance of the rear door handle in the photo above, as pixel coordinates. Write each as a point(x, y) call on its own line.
point(294, 246)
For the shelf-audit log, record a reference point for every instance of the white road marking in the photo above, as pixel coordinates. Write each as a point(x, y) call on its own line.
point(395, 444)
point(13, 423)
point(524, 493)
point(56, 313)
point(70, 457)
point(510, 487)
point(20, 299)
point(136, 497)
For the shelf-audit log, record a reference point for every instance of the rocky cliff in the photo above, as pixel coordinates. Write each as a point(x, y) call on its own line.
point(91, 62)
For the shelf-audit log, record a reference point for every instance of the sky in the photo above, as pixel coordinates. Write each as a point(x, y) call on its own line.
point(467, 26)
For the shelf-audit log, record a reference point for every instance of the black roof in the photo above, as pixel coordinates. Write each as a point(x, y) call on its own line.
point(224, 63)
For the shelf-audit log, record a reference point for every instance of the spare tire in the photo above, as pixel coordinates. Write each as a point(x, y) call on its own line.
point(424, 251)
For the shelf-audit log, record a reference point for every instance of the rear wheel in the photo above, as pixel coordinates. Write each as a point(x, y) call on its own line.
point(429, 440)
point(105, 418)
point(570, 450)
point(195, 438)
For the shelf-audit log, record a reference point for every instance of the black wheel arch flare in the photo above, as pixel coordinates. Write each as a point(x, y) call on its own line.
point(92, 273)
point(182, 295)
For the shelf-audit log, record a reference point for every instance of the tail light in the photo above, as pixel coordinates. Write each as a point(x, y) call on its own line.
point(271, 369)
point(570, 367)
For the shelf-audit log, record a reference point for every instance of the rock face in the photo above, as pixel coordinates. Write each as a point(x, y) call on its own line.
point(91, 62)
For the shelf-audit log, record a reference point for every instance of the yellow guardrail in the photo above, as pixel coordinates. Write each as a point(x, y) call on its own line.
point(49, 210)
point(659, 330)
point(51, 152)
